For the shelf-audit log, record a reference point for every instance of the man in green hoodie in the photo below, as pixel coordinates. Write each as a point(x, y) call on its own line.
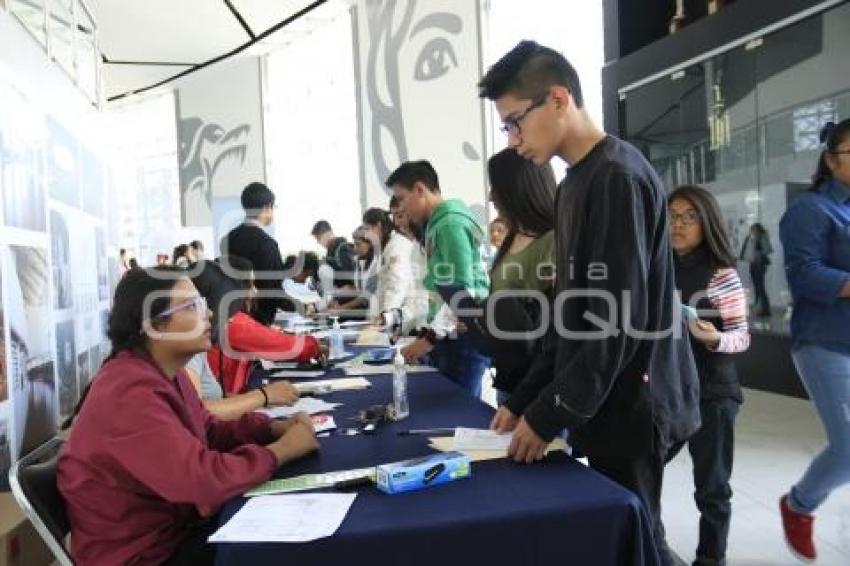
point(452, 243)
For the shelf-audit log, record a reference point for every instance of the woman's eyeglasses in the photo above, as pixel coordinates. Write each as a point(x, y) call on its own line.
point(687, 218)
point(199, 304)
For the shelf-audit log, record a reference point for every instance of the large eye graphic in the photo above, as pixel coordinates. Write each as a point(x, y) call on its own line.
point(432, 62)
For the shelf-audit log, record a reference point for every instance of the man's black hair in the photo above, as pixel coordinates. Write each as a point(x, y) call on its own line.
point(320, 227)
point(528, 71)
point(255, 197)
point(412, 172)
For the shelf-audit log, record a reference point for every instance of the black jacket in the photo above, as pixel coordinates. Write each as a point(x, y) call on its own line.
point(341, 258)
point(619, 392)
point(251, 242)
point(520, 316)
point(717, 374)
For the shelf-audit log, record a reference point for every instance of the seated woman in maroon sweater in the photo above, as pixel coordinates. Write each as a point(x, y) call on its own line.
point(145, 464)
point(228, 286)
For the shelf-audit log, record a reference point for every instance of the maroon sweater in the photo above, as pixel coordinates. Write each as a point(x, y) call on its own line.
point(144, 459)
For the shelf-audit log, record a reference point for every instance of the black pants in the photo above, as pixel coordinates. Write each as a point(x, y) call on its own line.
point(712, 449)
point(642, 476)
point(761, 301)
point(194, 550)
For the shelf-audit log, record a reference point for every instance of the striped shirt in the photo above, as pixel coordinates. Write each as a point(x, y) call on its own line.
point(727, 295)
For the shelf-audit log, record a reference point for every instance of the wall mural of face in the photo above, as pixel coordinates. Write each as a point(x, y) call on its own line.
point(421, 68)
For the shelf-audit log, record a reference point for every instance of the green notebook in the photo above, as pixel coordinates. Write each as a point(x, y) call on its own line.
point(309, 481)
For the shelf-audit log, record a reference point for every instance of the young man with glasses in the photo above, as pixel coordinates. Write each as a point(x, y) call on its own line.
point(625, 386)
point(250, 241)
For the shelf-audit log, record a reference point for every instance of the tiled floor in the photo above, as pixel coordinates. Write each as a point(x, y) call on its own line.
point(777, 437)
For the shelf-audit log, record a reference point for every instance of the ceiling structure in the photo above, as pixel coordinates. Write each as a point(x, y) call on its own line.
point(146, 43)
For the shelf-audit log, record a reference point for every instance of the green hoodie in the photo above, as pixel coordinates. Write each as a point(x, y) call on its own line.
point(453, 247)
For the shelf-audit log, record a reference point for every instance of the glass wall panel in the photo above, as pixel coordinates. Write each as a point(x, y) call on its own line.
point(60, 27)
point(86, 52)
point(745, 125)
point(31, 14)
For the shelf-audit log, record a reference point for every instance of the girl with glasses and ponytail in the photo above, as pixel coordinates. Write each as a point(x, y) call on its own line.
point(145, 466)
point(708, 281)
point(815, 234)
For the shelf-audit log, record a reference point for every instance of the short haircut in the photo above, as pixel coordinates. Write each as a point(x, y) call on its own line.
point(393, 202)
point(320, 227)
point(255, 197)
point(528, 71)
point(411, 172)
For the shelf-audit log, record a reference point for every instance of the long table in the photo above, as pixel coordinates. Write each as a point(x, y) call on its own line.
point(552, 512)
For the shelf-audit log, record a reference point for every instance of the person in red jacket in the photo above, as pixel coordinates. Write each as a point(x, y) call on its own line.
point(145, 466)
point(239, 340)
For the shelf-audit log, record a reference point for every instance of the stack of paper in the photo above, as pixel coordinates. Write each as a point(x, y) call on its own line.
point(482, 445)
point(348, 334)
point(287, 518)
point(372, 337)
point(309, 405)
point(480, 439)
point(338, 384)
point(358, 367)
point(289, 373)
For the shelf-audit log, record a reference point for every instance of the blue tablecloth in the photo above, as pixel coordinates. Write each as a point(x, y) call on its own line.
point(553, 512)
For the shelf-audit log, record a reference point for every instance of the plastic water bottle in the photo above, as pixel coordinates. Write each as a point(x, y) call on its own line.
point(336, 344)
point(400, 405)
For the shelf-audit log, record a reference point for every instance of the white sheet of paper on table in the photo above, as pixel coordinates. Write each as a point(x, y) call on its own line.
point(301, 517)
point(337, 384)
point(480, 439)
point(309, 405)
point(270, 365)
point(288, 373)
point(354, 370)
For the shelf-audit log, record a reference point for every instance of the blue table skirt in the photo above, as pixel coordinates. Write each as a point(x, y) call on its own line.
point(553, 512)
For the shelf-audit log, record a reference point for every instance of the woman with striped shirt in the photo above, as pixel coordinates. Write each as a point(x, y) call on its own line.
point(708, 281)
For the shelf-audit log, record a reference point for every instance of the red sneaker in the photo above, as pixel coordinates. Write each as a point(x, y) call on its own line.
point(798, 529)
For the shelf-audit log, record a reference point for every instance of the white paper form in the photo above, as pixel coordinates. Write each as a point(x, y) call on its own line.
point(302, 517)
point(309, 405)
point(480, 439)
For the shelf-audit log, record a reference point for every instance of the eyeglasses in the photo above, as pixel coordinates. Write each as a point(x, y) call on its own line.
point(511, 125)
point(199, 304)
point(687, 218)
